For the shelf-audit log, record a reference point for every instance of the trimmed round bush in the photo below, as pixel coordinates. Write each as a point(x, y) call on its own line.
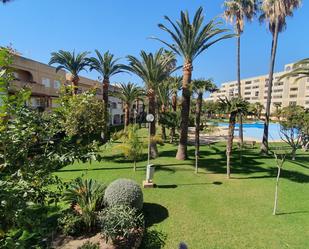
point(124, 192)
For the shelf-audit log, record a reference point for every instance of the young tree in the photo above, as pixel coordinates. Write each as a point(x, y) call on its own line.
point(233, 107)
point(164, 101)
point(132, 145)
point(236, 11)
point(190, 39)
point(152, 69)
point(71, 62)
point(200, 86)
point(106, 65)
point(128, 94)
point(291, 127)
point(275, 13)
point(280, 159)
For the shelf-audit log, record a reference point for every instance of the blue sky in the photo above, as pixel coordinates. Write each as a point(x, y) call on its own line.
point(38, 27)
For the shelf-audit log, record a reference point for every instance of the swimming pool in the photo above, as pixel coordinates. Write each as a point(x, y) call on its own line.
point(255, 130)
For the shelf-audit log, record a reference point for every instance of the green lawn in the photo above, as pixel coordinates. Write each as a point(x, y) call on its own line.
point(209, 211)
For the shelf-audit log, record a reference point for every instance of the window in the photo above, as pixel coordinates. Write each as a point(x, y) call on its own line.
point(57, 84)
point(278, 90)
point(46, 82)
point(292, 103)
point(248, 87)
point(255, 81)
point(293, 96)
point(255, 87)
point(294, 89)
point(248, 82)
point(277, 97)
point(256, 94)
point(278, 84)
point(247, 98)
point(247, 93)
point(288, 68)
point(114, 105)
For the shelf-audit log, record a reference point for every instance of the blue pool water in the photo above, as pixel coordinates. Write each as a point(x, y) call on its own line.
point(255, 130)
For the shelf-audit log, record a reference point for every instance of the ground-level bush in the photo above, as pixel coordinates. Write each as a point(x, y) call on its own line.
point(122, 225)
point(71, 223)
point(89, 245)
point(124, 192)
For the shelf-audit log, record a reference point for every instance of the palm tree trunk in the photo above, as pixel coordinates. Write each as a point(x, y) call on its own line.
point(229, 145)
point(185, 111)
point(276, 191)
point(264, 146)
point(127, 115)
point(241, 134)
point(174, 107)
point(152, 110)
point(197, 122)
point(197, 128)
point(105, 86)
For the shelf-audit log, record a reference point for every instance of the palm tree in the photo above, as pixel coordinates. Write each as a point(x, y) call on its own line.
point(275, 13)
point(164, 100)
point(151, 68)
point(190, 39)
point(128, 93)
point(257, 109)
point(300, 70)
point(5, 1)
point(175, 85)
point(233, 107)
point(200, 86)
point(106, 65)
point(71, 62)
point(236, 11)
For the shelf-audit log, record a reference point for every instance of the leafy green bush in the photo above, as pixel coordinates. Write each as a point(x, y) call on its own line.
point(124, 192)
point(89, 245)
point(86, 197)
point(71, 223)
point(120, 223)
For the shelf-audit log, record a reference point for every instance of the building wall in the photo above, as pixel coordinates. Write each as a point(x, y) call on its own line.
point(285, 92)
point(45, 85)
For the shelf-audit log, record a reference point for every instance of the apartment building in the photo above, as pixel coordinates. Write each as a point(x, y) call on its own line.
point(285, 92)
point(45, 85)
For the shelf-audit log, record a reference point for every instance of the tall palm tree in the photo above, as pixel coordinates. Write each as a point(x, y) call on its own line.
point(236, 11)
point(275, 13)
point(106, 65)
point(151, 68)
point(200, 86)
point(233, 107)
point(190, 39)
point(128, 94)
point(73, 63)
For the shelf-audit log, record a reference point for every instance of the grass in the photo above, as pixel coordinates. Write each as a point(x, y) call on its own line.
point(207, 210)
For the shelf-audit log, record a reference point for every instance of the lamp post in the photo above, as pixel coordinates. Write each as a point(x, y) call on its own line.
point(148, 183)
point(149, 119)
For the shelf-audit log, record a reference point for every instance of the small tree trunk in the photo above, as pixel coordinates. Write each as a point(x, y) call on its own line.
point(182, 153)
point(294, 154)
point(229, 145)
point(197, 123)
point(276, 191)
point(174, 107)
point(264, 145)
point(134, 168)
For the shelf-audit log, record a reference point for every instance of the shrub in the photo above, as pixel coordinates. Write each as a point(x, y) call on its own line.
point(124, 192)
point(121, 224)
point(86, 197)
point(70, 223)
point(89, 245)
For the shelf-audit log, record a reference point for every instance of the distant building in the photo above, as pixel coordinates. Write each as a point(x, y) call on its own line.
point(285, 92)
point(45, 84)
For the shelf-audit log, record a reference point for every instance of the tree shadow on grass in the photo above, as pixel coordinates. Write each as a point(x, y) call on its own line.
point(171, 186)
point(154, 213)
point(296, 212)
